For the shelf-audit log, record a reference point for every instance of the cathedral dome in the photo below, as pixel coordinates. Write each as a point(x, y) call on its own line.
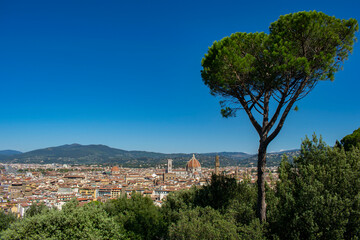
point(115, 169)
point(193, 163)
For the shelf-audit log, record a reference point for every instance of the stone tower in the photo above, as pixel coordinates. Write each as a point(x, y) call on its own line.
point(217, 165)
point(169, 166)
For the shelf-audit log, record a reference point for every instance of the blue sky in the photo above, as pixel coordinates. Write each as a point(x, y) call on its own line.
point(127, 74)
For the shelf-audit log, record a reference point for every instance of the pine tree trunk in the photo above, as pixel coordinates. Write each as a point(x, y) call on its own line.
point(261, 204)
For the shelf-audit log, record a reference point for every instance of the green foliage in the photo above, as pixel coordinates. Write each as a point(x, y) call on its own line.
point(35, 209)
point(227, 112)
point(180, 199)
point(6, 219)
point(301, 45)
point(73, 222)
point(223, 196)
point(203, 223)
point(318, 195)
point(243, 208)
point(139, 216)
point(328, 42)
point(220, 192)
point(351, 140)
point(243, 213)
point(176, 202)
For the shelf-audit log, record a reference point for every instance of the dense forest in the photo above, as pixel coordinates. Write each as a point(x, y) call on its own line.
point(317, 196)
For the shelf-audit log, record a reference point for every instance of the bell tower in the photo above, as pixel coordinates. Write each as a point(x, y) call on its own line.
point(217, 165)
point(169, 166)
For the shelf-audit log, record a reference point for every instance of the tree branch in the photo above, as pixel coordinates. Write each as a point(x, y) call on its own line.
point(286, 111)
point(248, 111)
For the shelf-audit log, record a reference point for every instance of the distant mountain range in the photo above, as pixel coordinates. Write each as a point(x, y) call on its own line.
point(101, 154)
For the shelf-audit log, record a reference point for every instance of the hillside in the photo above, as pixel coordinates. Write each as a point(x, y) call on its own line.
point(4, 154)
point(272, 159)
point(9, 152)
point(101, 154)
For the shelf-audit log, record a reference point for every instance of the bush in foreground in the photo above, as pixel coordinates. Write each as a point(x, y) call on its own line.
point(318, 196)
point(73, 222)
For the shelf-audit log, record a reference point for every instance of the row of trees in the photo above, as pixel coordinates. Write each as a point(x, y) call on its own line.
point(316, 197)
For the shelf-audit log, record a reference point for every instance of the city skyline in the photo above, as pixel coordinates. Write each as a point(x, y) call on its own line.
point(127, 75)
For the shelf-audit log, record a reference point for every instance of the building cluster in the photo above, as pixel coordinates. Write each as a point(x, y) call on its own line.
point(22, 185)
